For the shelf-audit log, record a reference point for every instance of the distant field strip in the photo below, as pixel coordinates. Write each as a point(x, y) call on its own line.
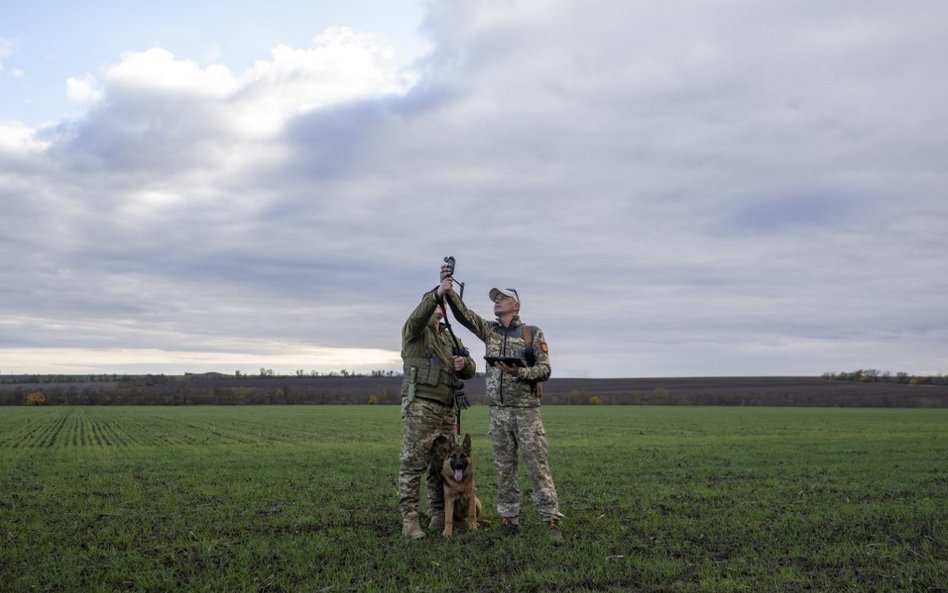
point(122, 427)
point(69, 427)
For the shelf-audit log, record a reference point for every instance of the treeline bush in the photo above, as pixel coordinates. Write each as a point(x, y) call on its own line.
point(877, 376)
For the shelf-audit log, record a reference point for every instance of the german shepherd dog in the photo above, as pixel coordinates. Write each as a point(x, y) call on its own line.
point(460, 500)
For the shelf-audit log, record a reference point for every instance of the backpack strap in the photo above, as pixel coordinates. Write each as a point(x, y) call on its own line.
point(528, 345)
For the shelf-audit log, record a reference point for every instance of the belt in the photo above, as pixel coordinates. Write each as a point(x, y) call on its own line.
point(436, 401)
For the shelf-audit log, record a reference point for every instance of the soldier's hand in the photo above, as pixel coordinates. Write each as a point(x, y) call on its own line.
point(445, 286)
point(445, 272)
point(509, 369)
point(459, 363)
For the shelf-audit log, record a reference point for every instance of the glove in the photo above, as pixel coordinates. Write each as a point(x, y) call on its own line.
point(460, 398)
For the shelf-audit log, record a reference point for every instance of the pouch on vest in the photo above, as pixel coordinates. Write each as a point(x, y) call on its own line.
point(428, 370)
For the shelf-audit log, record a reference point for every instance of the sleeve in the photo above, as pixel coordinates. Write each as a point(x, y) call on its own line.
point(418, 320)
point(541, 370)
point(479, 326)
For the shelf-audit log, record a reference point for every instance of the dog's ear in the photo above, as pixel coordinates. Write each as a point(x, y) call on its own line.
point(467, 442)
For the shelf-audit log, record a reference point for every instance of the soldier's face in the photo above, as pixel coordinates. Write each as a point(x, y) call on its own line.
point(504, 304)
point(436, 317)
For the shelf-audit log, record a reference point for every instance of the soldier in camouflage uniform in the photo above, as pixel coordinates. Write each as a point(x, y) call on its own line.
point(428, 411)
point(514, 397)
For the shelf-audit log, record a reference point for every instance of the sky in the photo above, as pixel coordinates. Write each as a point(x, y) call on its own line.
point(702, 188)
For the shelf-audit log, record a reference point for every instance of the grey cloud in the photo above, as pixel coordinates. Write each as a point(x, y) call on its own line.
point(140, 132)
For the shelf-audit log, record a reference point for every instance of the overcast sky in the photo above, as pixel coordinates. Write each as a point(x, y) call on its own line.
point(675, 188)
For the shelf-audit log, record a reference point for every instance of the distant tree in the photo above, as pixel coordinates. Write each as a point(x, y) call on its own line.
point(37, 398)
point(661, 395)
point(577, 396)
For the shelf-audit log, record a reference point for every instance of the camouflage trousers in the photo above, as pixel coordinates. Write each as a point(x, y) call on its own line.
point(422, 452)
point(513, 429)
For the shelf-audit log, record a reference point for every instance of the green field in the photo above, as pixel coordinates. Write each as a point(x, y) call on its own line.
point(302, 498)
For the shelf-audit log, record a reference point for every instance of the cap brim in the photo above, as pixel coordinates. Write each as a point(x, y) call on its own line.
point(507, 292)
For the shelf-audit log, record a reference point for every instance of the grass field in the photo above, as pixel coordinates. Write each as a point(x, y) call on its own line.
point(302, 498)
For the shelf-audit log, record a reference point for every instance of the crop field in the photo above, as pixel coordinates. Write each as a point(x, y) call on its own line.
point(303, 499)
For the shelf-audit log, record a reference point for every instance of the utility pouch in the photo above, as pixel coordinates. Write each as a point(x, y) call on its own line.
point(429, 371)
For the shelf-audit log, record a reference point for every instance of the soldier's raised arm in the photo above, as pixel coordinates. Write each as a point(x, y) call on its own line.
point(479, 326)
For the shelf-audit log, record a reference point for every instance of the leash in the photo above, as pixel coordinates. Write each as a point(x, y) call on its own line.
point(460, 398)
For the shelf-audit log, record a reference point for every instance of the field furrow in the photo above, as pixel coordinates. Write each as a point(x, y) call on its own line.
point(20, 434)
point(141, 433)
point(44, 426)
point(52, 435)
point(116, 433)
point(38, 435)
point(79, 431)
point(95, 433)
point(103, 433)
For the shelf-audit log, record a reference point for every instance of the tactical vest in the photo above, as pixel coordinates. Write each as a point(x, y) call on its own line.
point(428, 378)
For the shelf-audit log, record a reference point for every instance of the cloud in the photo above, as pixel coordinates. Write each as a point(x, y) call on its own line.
point(700, 189)
point(83, 89)
point(157, 70)
point(16, 138)
point(341, 66)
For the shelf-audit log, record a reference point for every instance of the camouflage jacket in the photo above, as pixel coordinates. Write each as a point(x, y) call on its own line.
point(426, 355)
point(504, 389)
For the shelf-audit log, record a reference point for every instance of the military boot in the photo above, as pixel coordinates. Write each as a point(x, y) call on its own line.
point(555, 531)
point(411, 528)
point(437, 520)
point(509, 525)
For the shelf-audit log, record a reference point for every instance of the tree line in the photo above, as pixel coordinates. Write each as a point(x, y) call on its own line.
point(877, 376)
point(841, 390)
point(204, 389)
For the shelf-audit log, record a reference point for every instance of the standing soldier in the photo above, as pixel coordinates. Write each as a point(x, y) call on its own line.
point(513, 393)
point(427, 408)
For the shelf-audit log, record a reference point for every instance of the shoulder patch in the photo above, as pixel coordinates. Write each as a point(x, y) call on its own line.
point(544, 347)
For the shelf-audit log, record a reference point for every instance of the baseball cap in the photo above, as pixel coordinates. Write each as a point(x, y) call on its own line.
point(505, 291)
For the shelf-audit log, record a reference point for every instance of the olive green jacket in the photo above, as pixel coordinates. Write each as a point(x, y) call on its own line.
point(426, 355)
